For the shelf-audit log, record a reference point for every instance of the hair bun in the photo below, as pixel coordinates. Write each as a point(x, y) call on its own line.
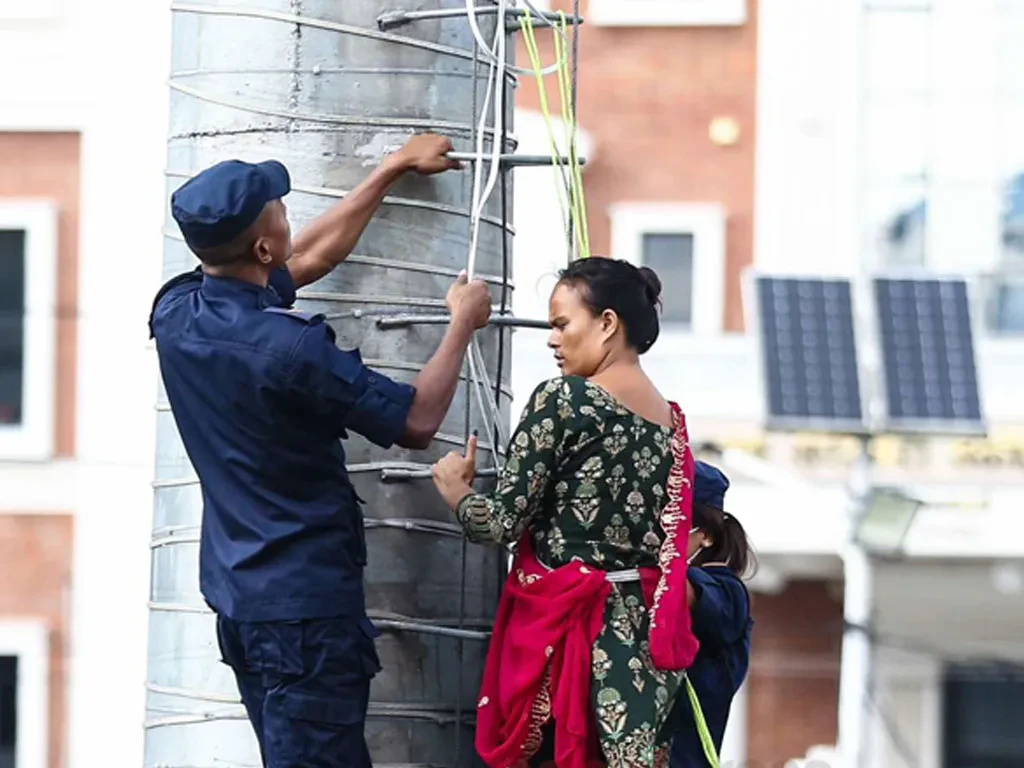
point(652, 284)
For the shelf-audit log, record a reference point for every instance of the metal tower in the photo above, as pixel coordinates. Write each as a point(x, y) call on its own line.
point(329, 88)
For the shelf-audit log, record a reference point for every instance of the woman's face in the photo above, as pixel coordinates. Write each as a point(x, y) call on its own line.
point(578, 338)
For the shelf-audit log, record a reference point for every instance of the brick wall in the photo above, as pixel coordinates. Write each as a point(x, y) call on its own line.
point(46, 165)
point(35, 571)
point(793, 691)
point(648, 96)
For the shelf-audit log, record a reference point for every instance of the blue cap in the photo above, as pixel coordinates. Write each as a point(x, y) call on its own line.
point(709, 486)
point(220, 203)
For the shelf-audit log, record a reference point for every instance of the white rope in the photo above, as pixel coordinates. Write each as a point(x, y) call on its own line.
point(484, 399)
point(488, 51)
point(489, 421)
point(488, 390)
point(496, 88)
point(498, 67)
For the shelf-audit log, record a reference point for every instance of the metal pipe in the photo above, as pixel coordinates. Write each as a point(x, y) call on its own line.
point(400, 475)
point(517, 161)
point(390, 322)
point(573, 89)
point(855, 676)
point(430, 629)
point(393, 19)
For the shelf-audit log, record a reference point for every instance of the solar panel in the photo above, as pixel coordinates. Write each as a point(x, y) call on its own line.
point(931, 382)
point(809, 355)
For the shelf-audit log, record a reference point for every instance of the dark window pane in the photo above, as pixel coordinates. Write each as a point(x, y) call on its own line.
point(12, 325)
point(8, 709)
point(671, 256)
point(984, 717)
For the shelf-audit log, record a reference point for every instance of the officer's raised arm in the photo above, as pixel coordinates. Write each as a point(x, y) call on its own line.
point(328, 240)
point(345, 395)
point(470, 306)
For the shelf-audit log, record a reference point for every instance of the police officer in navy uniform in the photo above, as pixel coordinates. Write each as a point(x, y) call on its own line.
point(720, 556)
point(261, 396)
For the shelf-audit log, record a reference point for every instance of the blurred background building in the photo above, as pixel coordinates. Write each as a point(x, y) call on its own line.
point(790, 136)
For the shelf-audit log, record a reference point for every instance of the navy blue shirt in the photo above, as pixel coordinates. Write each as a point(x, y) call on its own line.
point(262, 396)
point(722, 624)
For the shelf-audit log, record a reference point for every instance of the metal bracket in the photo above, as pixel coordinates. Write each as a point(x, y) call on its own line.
point(404, 474)
point(395, 19)
point(500, 321)
point(517, 161)
point(398, 623)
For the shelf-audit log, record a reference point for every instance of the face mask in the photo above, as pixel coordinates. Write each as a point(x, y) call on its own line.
point(691, 557)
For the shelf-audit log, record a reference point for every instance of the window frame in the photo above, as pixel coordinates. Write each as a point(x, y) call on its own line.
point(28, 641)
point(667, 13)
point(33, 438)
point(706, 223)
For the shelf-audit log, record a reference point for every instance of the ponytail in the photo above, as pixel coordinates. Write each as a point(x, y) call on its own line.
point(729, 542)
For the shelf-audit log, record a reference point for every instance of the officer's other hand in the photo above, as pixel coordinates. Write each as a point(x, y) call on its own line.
point(426, 153)
point(456, 468)
point(469, 302)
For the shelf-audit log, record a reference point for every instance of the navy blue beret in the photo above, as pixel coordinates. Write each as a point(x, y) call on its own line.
point(709, 486)
point(223, 201)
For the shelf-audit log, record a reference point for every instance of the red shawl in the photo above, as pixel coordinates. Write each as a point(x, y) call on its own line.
point(539, 661)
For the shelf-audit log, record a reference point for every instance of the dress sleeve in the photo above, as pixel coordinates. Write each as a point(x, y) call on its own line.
point(534, 453)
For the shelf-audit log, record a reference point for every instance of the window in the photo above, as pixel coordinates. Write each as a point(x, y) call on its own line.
point(28, 255)
point(1005, 308)
point(898, 127)
point(685, 244)
point(667, 13)
point(671, 256)
point(12, 325)
point(1006, 300)
point(24, 694)
point(8, 710)
point(984, 719)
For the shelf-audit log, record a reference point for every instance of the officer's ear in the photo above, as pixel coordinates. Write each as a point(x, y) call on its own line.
point(263, 252)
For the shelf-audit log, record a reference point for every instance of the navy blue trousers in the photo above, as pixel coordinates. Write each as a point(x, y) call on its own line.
point(305, 686)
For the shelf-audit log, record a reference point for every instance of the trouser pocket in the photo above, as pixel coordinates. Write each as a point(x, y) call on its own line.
point(318, 731)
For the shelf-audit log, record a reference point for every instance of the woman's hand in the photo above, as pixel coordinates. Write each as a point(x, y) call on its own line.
point(455, 467)
point(454, 474)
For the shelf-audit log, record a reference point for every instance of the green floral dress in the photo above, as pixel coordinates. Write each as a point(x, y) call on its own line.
point(588, 477)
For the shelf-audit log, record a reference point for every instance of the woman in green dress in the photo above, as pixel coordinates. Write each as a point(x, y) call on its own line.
point(596, 492)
